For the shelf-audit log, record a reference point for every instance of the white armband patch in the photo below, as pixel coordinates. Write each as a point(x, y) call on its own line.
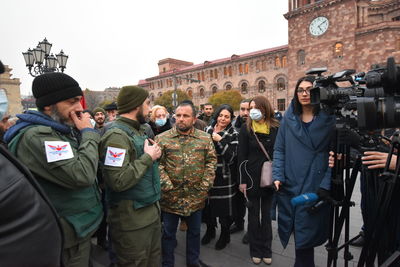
point(115, 156)
point(58, 150)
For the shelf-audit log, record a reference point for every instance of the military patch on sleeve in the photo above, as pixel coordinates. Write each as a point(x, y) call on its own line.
point(58, 150)
point(115, 156)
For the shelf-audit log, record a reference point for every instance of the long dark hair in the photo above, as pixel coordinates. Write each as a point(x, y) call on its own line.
point(263, 104)
point(220, 109)
point(298, 109)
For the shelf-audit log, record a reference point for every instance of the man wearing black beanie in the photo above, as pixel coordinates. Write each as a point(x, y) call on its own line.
point(132, 181)
point(60, 147)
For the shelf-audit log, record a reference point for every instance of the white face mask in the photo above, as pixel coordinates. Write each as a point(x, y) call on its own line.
point(255, 114)
point(3, 103)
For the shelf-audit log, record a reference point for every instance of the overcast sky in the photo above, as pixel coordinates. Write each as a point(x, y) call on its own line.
point(117, 43)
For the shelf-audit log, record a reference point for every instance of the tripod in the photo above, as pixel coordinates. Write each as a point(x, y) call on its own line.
point(382, 223)
point(341, 191)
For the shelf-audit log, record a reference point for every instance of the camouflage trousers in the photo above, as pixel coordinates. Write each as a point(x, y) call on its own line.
point(138, 248)
point(78, 255)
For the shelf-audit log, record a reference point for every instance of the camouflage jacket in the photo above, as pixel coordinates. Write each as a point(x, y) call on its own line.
point(187, 170)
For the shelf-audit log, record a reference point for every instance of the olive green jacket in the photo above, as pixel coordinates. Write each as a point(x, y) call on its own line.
point(187, 170)
point(117, 179)
point(68, 175)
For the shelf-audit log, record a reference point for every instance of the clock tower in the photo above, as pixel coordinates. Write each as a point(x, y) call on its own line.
point(341, 34)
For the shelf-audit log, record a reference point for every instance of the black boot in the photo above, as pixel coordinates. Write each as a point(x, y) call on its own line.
point(209, 235)
point(224, 238)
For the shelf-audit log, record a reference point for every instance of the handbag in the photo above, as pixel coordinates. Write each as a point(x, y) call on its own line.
point(266, 170)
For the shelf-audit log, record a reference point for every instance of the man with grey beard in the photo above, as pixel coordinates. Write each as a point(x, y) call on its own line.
point(60, 147)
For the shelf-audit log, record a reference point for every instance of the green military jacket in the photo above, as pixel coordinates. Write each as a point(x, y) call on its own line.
point(73, 176)
point(187, 170)
point(125, 175)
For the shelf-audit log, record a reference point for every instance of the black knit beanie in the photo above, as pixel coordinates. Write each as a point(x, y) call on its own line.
point(51, 88)
point(130, 97)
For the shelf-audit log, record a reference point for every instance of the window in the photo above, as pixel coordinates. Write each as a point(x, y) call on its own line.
point(159, 94)
point(164, 69)
point(258, 66)
point(228, 87)
point(198, 76)
point(152, 97)
point(301, 57)
point(216, 74)
point(202, 94)
point(214, 89)
point(225, 71)
point(284, 61)
point(230, 71)
point(243, 88)
point(281, 104)
point(202, 76)
point(264, 65)
point(240, 69)
point(277, 62)
point(338, 50)
point(261, 86)
point(280, 84)
point(246, 68)
point(396, 18)
point(190, 93)
point(211, 74)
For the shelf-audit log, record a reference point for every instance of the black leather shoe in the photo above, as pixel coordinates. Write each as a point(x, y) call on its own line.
point(359, 242)
point(245, 239)
point(224, 239)
point(208, 236)
point(236, 228)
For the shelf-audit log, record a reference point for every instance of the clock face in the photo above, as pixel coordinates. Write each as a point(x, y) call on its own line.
point(319, 26)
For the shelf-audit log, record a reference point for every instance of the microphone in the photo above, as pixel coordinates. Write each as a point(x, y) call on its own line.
point(303, 199)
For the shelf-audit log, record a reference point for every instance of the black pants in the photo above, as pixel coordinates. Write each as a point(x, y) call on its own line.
point(259, 228)
point(240, 204)
point(304, 258)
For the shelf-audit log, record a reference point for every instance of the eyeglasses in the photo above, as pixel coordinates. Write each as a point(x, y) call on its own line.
point(301, 91)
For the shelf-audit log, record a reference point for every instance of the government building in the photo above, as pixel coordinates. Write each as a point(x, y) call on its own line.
point(336, 34)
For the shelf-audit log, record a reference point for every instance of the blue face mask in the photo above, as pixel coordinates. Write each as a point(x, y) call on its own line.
point(161, 122)
point(3, 103)
point(255, 114)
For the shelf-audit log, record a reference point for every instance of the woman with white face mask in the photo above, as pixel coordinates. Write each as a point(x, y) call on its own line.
point(159, 120)
point(260, 125)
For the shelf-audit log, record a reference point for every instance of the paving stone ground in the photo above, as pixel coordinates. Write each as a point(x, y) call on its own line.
point(237, 254)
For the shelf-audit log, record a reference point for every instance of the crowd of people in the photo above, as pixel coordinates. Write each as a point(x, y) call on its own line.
point(128, 173)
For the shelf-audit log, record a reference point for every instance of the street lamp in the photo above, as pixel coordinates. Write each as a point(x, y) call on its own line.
point(39, 60)
point(175, 94)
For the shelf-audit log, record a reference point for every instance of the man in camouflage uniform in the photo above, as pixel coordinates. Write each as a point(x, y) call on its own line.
point(187, 171)
point(132, 182)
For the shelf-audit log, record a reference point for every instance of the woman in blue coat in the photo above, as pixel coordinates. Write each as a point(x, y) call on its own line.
point(300, 166)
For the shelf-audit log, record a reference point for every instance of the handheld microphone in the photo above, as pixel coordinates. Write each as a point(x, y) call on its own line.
point(303, 199)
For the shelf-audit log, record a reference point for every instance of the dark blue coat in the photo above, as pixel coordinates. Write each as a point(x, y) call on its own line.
point(301, 164)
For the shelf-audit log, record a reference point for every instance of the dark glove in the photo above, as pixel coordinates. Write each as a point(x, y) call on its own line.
point(323, 194)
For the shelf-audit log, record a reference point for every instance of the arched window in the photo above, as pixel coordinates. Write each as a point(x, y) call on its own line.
point(202, 76)
point(225, 71)
point(338, 50)
point(214, 89)
point(215, 73)
point(261, 86)
point(202, 94)
point(190, 93)
point(284, 61)
point(277, 62)
point(211, 74)
point(280, 84)
point(159, 94)
point(243, 88)
point(240, 69)
point(228, 87)
point(152, 97)
point(264, 65)
point(230, 71)
point(301, 57)
point(198, 76)
point(246, 68)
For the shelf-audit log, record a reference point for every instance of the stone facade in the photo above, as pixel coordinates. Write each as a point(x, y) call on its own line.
point(11, 86)
point(261, 72)
point(360, 33)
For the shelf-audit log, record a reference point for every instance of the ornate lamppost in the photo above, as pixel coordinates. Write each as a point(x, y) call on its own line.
point(39, 60)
